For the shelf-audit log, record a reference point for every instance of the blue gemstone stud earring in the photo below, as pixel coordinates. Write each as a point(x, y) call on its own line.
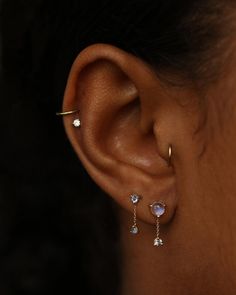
point(134, 200)
point(158, 209)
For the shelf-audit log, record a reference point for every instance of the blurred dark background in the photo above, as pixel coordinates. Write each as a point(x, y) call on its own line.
point(58, 231)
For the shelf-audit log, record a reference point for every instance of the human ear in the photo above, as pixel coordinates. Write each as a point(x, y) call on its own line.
point(125, 133)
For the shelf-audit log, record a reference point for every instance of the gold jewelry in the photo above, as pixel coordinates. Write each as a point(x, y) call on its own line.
point(76, 122)
point(67, 113)
point(158, 209)
point(169, 154)
point(134, 200)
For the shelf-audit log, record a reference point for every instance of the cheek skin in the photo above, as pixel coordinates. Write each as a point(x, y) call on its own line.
point(217, 173)
point(205, 223)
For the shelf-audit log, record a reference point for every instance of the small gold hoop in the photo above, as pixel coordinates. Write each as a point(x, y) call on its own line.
point(169, 154)
point(67, 113)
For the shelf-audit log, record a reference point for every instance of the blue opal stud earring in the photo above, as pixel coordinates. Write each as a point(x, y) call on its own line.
point(158, 209)
point(134, 200)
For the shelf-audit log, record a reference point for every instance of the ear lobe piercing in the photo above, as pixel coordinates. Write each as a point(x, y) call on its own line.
point(158, 209)
point(76, 122)
point(134, 200)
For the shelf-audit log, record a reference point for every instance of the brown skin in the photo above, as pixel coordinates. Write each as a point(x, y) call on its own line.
point(129, 117)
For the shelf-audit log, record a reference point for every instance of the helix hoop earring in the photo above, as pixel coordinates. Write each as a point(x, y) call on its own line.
point(76, 122)
point(169, 154)
point(67, 113)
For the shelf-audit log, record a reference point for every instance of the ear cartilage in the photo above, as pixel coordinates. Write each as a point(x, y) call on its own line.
point(158, 209)
point(134, 200)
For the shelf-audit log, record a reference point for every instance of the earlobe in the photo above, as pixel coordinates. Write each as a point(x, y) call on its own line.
point(114, 92)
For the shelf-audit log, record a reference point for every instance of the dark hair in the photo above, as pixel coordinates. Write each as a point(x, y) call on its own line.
point(58, 231)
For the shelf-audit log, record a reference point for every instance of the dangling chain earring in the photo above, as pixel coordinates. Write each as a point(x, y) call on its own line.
point(134, 200)
point(158, 209)
point(76, 122)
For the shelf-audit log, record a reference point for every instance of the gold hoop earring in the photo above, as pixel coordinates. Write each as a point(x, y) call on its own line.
point(76, 122)
point(169, 154)
point(67, 113)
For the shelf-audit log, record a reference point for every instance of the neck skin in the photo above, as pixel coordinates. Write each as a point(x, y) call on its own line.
point(145, 267)
point(178, 267)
